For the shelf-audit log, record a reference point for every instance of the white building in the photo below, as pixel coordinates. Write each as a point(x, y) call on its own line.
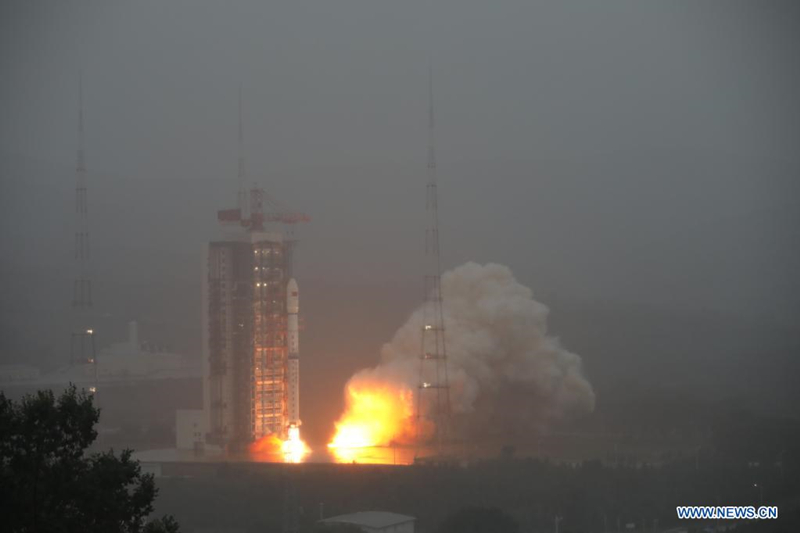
point(133, 359)
point(190, 429)
point(125, 362)
point(18, 373)
point(375, 521)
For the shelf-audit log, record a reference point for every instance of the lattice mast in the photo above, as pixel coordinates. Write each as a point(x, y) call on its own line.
point(82, 287)
point(241, 195)
point(82, 346)
point(433, 398)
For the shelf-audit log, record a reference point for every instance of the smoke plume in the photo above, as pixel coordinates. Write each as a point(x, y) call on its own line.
point(507, 376)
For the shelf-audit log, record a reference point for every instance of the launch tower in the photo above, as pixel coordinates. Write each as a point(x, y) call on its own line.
point(250, 309)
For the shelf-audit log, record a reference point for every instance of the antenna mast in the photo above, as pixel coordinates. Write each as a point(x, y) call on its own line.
point(433, 378)
point(82, 288)
point(241, 197)
point(82, 346)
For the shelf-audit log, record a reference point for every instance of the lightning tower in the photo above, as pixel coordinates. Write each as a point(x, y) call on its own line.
point(82, 287)
point(433, 397)
point(82, 347)
point(241, 195)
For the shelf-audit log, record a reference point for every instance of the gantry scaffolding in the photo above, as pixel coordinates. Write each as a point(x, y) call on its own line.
point(247, 277)
point(272, 271)
point(248, 350)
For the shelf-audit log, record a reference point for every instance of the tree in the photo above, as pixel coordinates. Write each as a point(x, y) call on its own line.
point(49, 483)
point(475, 519)
point(165, 524)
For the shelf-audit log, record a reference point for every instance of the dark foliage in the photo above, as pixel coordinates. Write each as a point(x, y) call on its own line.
point(166, 524)
point(475, 519)
point(48, 482)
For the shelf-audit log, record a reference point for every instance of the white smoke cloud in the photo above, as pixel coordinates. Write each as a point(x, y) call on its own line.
point(505, 372)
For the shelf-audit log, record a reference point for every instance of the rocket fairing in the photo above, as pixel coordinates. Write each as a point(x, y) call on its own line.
point(293, 308)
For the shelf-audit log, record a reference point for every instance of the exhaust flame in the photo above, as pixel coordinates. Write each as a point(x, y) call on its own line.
point(270, 447)
point(377, 414)
point(293, 448)
point(506, 374)
point(267, 445)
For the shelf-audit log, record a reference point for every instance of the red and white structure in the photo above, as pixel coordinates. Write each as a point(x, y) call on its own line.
point(250, 322)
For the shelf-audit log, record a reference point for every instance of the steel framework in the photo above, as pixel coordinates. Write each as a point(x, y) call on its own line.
point(82, 343)
point(433, 395)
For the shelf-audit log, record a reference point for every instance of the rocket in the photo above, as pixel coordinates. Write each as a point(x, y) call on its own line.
point(293, 366)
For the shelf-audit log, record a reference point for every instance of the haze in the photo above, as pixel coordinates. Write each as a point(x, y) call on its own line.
point(636, 164)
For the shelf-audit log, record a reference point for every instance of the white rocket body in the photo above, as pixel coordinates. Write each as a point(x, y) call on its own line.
point(293, 308)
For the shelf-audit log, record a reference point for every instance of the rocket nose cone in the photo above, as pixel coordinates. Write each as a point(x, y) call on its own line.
point(292, 286)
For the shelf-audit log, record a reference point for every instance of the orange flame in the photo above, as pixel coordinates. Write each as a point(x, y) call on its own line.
point(270, 447)
point(376, 414)
point(293, 448)
point(267, 445)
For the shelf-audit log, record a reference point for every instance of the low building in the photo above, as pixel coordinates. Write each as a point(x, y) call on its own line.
point(18, 373)
point(375, 521)
point(190, 429)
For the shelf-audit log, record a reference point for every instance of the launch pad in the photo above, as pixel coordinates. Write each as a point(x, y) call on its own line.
point(373, 455)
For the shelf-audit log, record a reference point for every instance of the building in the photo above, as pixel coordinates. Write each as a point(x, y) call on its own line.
point(135, 359)
point(190, 429)
point(122, 363)
point(247, 303)
point(18, 373)
point(375, 521)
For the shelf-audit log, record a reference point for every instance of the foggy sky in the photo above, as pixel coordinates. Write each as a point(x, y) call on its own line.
point(603, 107)
point(605, 151)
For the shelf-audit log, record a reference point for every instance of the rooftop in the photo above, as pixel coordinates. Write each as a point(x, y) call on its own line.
point(372, 519)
